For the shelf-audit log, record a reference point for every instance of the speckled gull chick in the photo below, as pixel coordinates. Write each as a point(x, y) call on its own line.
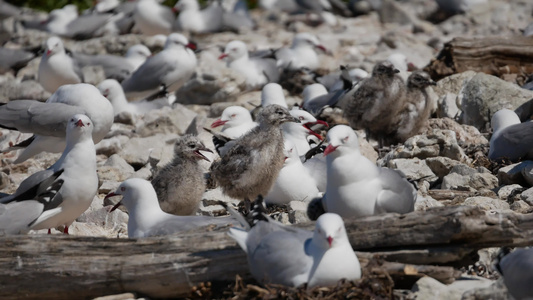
point(180, 184)
point(146, 217)
point(250, 167)
point(290, 256)
point(510, 139)
point(357, 187)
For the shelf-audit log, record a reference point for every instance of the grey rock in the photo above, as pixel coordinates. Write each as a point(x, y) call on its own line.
point(527, 196)
point(414, 169)
point(137, 150)
point(110, 173)
point(118, 162)
point(447, 106)
point(166, 120)
point(464, 178)
point(507, 190)
point(485, 94)
point(429, 288)
point(441, 166)
point(495, 291)
point(486, 203)
point(464, 134)
point(436, 143)
point(29, 89)
point(203, 90)
point(145, 173)
point(453, 84)
point(425, 202)
point(393, 12)
point(521, 206)
point(298, 212)
point(111, 145)
point(527, 172)
point(512, 174)
point(108, 186)
point(4, 180)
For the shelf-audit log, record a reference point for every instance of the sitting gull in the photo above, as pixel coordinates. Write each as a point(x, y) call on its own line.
point(301, 54)
point(57, 68)
point(146, 217)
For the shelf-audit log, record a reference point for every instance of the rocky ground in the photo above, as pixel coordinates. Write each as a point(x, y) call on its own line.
point(448, 163)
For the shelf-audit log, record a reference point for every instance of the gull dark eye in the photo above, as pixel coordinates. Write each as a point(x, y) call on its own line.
point(192, 146)
point(123, 189)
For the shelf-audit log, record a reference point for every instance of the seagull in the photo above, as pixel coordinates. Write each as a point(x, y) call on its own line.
point(235, 121)
point(180, 184)
point(316, 97)
point(272, 93)
point(146, 217)
point(236, 16)
point(192, 19)
point(417, 107)
point(377, 99)
point(13, 59)
point(290, 256)
point(301, 54)
point(21, 212)
point(510, 139)
point(516, 269)
point(152, 18)
point(170, 68)
point(112, 90)
point(115, 67)
point(257, 71)
point(338, 80)
point(250, 167)
point(357, 187)
point(80, 185)
point(298, 132)
point(293, 182)
point(48, 121)
point(57, 68)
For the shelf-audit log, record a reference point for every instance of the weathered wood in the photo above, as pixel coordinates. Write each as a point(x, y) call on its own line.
point(70, 267)
point(492, 55)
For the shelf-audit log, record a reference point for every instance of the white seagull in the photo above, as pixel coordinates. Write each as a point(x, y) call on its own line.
point(192, 19)
point(57, 67)
point(301, 54)
point(80, 185)
point(293, 182)
point(146, 217)
point(112, 90)
point(152, 18)
point(280, 254)
point(235, 122)
point(257, 71)
point(170, 69)
point(510, 138)
point(357, 187)
point(48, 121)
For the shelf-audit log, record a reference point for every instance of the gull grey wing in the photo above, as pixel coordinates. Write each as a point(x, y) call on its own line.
point(16, 216)
point(517, 275)
point(85, 26)
point(186, 223)
point(13, 59)
point(269, 67)
point(41, 189)
point(148, 76)
point(32, 116)
point(277, 255)
point(29, 186)
point(514, 142)
point(398, 194)
point(115, 67)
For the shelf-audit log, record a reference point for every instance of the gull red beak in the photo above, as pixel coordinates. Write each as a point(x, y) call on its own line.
point(411, 67)
point(222, 56)
point(175, 10)
point(116, 205)
point(80, 124)
point(48, 52)
point(307, 125)
point(330, 240)
point(217, 123)
point(322, 48)
point(200, 155)
point(330, 148)
point(192, 46)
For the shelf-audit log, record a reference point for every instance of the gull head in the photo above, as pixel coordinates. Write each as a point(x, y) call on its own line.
point(384, 68)
point(329, 231)
point(190, 146)
point(54, 45)
point(276, 115)
point(136, 193)
point(420, 80)
point(234, 50)
point(178, 40)
point(233, 116)
point(305, 39)
point(79, 125)
point(341, 138)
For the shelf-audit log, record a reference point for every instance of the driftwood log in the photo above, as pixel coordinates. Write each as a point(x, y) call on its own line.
point(492, 55)
point(70, 267)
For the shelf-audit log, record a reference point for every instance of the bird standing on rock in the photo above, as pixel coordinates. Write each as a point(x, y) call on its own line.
point(250, 167)
point(180, 184)
point(417, 106)
point(375, 103)
point(356, 187)
point(57, 67)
